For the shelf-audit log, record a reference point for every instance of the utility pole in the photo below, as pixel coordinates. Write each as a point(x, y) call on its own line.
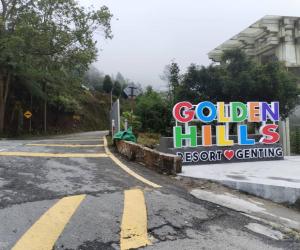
point(30, 123)
point(132, 91)
point(111, 99)
point(132, 88)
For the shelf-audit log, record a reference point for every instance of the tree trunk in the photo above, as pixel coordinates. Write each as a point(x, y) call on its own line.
point(45, 108)
point(2, 105)
point(4, 88)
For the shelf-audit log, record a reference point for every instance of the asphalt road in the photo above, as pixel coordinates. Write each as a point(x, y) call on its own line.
point(69, 192)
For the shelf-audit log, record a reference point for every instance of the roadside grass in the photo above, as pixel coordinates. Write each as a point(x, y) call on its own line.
point(295, 140)
point(149, 140)
point(109, 140)
point(91, 114)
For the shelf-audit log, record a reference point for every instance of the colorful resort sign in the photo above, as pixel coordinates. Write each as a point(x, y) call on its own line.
point(211, 142)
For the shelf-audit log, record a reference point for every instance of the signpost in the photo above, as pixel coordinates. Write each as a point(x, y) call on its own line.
point(132, 91)
point(28, 116)
point(76, 117)
point(222, 147)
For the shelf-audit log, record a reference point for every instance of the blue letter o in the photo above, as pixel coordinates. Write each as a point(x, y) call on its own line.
point(212, 112)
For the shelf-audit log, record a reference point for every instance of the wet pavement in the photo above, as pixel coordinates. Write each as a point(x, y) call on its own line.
point(68, 192)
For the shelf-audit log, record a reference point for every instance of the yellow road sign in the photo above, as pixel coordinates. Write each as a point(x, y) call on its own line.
point(76, 117)
point(28, 114)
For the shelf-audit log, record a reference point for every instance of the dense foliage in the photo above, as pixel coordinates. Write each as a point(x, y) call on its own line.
point(153, 111)
point(47, 46)
point(237, 78)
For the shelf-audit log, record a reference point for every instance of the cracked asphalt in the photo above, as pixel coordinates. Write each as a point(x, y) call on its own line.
point(30, 186)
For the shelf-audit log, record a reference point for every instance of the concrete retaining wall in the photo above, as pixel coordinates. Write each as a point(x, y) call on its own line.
point(279, 194)
point(160, 162)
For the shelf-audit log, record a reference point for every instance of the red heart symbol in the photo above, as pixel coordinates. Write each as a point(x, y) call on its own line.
point(229, 154)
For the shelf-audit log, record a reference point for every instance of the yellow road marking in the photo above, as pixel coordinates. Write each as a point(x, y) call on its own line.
point(43, 233)
point(134, 221)
point(68, 140)
point(58, 155)
point(66, 145)
point(127, 169)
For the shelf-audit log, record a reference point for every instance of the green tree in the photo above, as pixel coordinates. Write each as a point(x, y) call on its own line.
point(171, 75)
point(240, 78)
point(152, 110)
point(117, 89)
point(107, 84)
point(47, 43)
point(246, 80)
point(132, 121)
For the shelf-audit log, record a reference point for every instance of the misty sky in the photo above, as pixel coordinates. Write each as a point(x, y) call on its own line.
point(149, 34)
